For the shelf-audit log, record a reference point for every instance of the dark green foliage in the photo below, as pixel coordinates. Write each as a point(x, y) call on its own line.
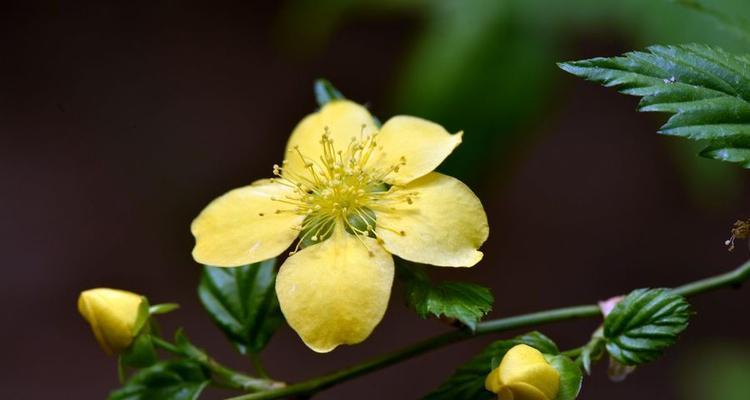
point(644, 324)
point(242, 301)
point(705, 90)
point(168, 380)
point(466, 302)
point(141, 352)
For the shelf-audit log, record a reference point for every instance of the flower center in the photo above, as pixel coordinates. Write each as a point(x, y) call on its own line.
point(344, 187)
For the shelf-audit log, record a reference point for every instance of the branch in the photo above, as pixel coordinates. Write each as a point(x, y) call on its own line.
point(227, 377)
point(732, 278)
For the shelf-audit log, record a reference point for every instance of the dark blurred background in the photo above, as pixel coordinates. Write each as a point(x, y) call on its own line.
point(120, 122)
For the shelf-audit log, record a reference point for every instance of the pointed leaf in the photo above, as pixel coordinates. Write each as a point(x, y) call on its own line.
point(242, 302)
point(466, 302)
point(705, 89)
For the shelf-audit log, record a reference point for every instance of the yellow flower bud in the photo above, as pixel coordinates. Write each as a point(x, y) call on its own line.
point(115, 316)
point(524, 374)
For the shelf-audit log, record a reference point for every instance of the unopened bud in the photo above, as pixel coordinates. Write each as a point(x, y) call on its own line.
point(524, 373)
point(115, 316)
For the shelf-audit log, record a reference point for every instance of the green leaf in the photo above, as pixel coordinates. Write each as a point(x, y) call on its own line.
point(163, 308)
point(141, 352)
point(644, 324)
point(466, 302)
point(325, 92)
point(705, 89)
point(571, 377)
point(467, 383)
point(734, 151)
point(242, 302)
point(168, 380)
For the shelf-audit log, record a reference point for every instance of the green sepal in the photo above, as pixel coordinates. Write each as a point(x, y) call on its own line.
point(242, 302)
point(186, 347)
point(466, 302)
point(167, 380)
point(143, 316)
point(467, 382)
point(644, 324)
point(325, 92)
point(705, 89)
point(121, 374)
point(141, 352)
point(593, 350)
point(571, 377)
point(163, 308)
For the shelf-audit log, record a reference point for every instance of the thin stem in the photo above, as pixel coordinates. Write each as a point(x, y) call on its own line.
point(164, 345)
point(258, 365)
point(311, 386)
point(732, 278)
point(573, 353)
point(225, 377)
point(492, 326)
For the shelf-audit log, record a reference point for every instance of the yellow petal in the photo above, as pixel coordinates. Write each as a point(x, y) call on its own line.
point(522, 391)
point(344, 120)
point(423, 144)
point(492, 382)
point(243, 226)
point(112, 315)
point(444, 225)
point(524, 368)
point(335, 292)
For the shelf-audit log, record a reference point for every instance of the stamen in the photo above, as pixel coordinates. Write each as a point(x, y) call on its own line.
point(341, 187)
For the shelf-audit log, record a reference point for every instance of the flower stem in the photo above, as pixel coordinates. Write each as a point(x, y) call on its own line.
point(258, 365)
point(222, 375)
point(314, 385)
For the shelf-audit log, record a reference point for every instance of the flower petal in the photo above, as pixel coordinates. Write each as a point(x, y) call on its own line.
point(522, 391)
point(337, 291)
point(423, 144)
point(243, 226)
point(444, 225)
point(492, 381)
point(344, 120)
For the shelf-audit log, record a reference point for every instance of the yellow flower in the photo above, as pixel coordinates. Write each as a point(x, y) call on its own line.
point(524, 374)
point(113, 315)
point(353, 195)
